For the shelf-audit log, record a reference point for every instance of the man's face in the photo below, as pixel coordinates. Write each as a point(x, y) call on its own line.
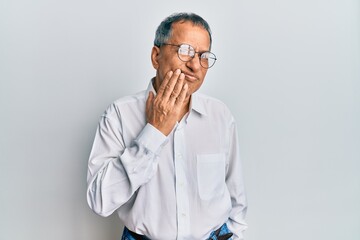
point(165, 58)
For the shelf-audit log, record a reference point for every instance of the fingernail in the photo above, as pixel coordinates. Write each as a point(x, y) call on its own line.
point(182, 75)
point(178, 71)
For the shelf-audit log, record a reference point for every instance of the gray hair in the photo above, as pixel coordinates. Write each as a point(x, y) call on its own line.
point(164, 30)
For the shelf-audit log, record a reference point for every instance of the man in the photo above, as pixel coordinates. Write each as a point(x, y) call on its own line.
point(167, 159)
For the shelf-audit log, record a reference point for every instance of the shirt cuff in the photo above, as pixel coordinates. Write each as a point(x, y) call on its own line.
point(151, 138)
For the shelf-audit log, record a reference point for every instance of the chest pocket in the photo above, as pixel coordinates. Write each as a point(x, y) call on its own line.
point(210, 175)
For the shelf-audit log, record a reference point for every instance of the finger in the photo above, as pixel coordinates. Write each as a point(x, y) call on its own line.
point(169, 88)
point(177, 88)
point(164, 83)
point(180, 99)
point(149, 105)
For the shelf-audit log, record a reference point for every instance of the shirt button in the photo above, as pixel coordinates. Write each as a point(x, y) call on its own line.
point(183, 215)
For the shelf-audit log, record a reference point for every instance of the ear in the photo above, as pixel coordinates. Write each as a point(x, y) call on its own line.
point(155, 52)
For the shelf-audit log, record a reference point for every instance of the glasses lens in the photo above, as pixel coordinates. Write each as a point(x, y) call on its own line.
point(186, 52)
point(207, 59)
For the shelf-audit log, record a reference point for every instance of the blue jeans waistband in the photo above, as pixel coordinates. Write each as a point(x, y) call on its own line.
point(223, 232)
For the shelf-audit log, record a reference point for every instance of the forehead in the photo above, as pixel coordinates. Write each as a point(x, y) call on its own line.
point(187, 32)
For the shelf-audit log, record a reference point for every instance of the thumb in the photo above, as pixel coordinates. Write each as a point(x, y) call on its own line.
point(149, 100)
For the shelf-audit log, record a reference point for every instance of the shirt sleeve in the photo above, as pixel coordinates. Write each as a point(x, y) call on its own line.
point(116, 171)
point(234, 180)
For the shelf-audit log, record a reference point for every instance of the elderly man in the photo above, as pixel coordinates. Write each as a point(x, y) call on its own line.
point(167, 159)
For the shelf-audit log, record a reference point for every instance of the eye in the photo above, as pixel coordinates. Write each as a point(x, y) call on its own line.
point(205, 55)
point(186, 50)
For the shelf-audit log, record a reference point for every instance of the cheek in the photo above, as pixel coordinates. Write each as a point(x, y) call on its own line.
point(170, 62)
point(163, 70)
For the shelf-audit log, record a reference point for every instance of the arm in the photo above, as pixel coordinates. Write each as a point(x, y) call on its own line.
point(115, 172)
point(235, 184)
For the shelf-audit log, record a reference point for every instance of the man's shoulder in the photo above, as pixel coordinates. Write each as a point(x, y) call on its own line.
point(130, 99)
point(135, 102)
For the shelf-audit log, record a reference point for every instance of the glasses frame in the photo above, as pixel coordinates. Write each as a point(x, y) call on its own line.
point(199, 53)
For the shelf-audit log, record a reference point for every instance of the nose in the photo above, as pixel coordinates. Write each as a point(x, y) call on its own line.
point(194, 63)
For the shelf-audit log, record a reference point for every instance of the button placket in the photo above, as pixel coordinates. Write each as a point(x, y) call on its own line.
point(182, 198)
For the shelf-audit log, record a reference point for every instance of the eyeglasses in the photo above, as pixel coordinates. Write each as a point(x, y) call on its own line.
point(186, 53)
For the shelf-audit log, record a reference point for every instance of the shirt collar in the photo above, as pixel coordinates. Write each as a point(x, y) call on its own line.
point(150, 88)
point(197, 105)
point(195, 102)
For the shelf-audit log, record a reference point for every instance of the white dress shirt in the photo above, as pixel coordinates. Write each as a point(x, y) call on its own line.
point(183, 186)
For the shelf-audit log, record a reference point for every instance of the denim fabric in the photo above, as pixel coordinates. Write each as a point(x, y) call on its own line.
point(223, 230)
point(127, 235)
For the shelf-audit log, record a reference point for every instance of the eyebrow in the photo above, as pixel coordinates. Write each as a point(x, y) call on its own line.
point(178, 45)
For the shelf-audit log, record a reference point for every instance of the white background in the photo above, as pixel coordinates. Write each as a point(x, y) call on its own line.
point(288, 70)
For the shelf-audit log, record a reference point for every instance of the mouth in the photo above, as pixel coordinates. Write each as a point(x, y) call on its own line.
point(190, 77)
